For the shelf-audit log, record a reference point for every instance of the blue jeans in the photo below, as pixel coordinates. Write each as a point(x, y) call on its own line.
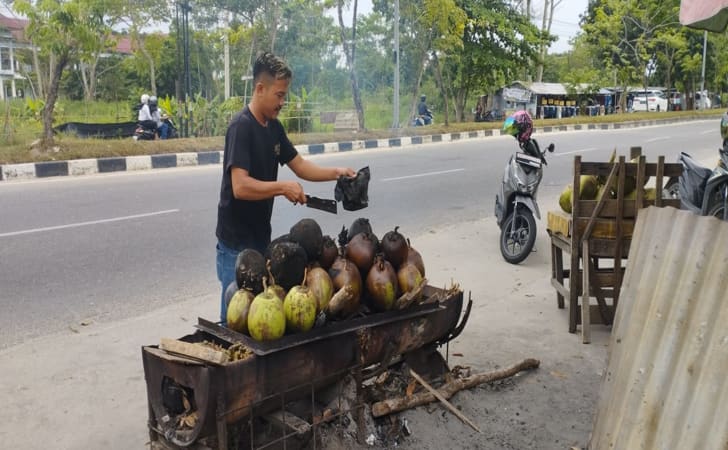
point(164, 130)
point(226, 258)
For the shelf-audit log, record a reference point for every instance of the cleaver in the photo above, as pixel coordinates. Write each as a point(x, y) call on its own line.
point(321, 203)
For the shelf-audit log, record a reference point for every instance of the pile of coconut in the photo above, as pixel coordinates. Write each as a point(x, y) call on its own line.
point(304, 279)
point(592, 187)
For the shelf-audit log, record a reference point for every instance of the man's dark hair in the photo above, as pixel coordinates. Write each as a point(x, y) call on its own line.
point(269, 64)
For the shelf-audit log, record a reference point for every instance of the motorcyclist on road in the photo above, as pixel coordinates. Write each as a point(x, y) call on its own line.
point(423, 111)
point(145, 118)
point(161, 125)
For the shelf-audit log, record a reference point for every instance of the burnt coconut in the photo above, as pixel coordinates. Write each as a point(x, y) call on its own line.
point(381, 283)
point(287, 263)
point(361, 250)
point(250, 270)
point(395, 248)
point(307, 233)
point(329, 252)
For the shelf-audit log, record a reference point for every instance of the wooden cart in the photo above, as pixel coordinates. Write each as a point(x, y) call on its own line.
point(597, 236)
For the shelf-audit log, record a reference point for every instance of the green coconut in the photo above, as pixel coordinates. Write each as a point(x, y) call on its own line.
point(299, 308)
point(238, 309)
point(588, 186)
point(266, 319)
point(565, 199)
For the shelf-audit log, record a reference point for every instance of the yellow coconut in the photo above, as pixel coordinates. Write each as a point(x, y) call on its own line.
point(238, 309)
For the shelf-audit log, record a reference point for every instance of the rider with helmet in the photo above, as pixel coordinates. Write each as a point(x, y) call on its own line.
point(162, 126)
point(520, 126)
point(423, 111)
point(145, 118)
point(724, 128)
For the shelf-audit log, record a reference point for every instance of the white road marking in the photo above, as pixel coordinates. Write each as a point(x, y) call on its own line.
point(707, 131)
point(427, 174)
point(83, 224)
point(584, 150)
point(663, 138)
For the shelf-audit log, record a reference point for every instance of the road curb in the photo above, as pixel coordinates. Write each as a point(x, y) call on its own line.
point(46, 169)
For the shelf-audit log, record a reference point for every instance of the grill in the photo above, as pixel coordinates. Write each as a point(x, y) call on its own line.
point(294, 366)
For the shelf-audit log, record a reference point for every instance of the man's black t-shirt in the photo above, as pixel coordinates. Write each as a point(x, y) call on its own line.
point(249, 145)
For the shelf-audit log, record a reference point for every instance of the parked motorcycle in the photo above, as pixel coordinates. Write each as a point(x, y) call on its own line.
point(515, 203)
point(700, 189)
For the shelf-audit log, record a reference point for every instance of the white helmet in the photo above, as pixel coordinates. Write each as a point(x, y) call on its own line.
point(145, 99)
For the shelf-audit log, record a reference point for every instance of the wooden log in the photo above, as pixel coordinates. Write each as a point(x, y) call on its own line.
point(394, 405)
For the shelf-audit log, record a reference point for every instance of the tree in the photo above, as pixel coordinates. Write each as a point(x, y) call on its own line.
point(349, 44)
point(62, 31)
point(549, 6)
point(498, 44)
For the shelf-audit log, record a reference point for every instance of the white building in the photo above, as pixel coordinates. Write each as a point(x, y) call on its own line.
point(12, 38)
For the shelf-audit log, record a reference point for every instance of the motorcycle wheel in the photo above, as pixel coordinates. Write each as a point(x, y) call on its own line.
point(717, 209)
point(518, 235)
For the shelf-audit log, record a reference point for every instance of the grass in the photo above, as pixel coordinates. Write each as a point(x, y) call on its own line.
point(68, 148)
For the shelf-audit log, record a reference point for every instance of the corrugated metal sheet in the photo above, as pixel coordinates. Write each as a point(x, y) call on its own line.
point(666, 385)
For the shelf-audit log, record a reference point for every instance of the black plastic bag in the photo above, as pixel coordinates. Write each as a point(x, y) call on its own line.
point(353, 192)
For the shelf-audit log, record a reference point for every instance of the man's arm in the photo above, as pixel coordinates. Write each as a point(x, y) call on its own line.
point(246, 187)
point(309, 171)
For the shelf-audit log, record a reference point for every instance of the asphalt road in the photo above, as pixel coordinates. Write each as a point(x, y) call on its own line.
point(105, 247)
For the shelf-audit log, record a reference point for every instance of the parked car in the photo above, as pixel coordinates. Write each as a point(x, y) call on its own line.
point(702, 100)
point(653, 100)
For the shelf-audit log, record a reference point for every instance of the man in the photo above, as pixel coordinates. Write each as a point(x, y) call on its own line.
point(255, 144)
point(161, 126)
point(144, 118)
point(423, 111)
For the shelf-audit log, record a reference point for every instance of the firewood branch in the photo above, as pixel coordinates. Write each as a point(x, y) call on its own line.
point(447, 390)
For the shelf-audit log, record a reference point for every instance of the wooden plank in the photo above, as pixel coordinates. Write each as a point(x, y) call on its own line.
point(638, 203)
point(286, 421)
point(609, 210)
point(590, 224)
point(602, 228)
point(595, 317)
point(658, 187)
point(585, 310)
point(172, 357)
point(620, 226)
point(560, 288)
point(194, 351)
point(603, 169)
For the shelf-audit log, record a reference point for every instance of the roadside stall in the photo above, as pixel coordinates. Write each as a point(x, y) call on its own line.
point(227, 385)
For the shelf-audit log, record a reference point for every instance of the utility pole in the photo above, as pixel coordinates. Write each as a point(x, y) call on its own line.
point(395, 114)
point(702, 75)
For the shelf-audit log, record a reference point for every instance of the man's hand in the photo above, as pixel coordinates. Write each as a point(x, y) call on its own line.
point(293, 191)
point(345, 172)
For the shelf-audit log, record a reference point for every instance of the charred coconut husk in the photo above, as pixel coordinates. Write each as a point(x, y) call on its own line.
point(287, 263)
point(307, 233)
point(329, 252)
point(250, 270)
